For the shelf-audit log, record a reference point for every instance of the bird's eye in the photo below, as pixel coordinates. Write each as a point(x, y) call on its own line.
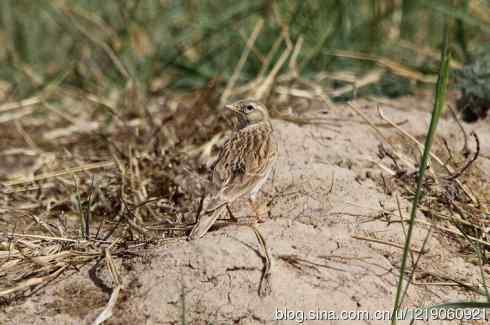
point(249, 108)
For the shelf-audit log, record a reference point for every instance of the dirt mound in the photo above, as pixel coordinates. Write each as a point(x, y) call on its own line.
point(332, 245)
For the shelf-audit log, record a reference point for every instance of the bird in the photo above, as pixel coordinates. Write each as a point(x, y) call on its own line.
point(242, 166)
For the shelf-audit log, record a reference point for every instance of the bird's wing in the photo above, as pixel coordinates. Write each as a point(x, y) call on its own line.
point(243, 161)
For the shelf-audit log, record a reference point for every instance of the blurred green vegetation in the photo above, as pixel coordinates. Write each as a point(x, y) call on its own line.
point(97, 45)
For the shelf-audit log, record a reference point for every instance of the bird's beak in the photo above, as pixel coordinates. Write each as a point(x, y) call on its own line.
point(231, 107)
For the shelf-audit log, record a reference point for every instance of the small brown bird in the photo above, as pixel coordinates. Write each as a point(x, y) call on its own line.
point(242, 166)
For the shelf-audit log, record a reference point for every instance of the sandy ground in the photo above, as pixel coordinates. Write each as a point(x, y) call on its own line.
point(325, 199)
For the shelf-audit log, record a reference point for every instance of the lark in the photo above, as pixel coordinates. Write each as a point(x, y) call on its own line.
point(242, 166)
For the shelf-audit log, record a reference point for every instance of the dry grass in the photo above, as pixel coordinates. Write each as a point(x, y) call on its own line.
point(103, 177)
point(456, 197)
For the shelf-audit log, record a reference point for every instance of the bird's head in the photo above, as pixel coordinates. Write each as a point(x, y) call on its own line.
point(249, 111)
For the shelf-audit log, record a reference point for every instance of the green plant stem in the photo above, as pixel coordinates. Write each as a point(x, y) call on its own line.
point(441, 89)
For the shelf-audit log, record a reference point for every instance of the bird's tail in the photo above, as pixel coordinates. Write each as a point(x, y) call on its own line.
point(205, 222)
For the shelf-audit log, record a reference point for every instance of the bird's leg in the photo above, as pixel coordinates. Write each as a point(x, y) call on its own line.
point(230, 213)
point(259, 210)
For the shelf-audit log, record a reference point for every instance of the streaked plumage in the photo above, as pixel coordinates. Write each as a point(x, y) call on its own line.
point(243, 164)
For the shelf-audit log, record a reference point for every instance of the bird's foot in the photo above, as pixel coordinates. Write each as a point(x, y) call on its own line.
point(260, 211)
point(231, 215)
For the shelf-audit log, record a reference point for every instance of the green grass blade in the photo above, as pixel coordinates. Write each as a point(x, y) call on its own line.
point(462, 304)
point(440, 98)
